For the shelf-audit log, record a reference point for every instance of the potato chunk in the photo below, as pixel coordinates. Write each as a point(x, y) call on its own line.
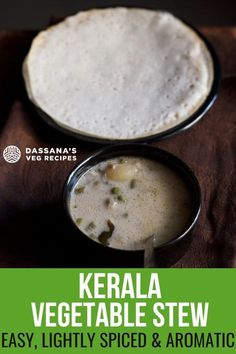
point(120, 172)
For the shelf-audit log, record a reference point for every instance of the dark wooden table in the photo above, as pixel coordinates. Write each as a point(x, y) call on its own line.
point(28, 14)
point(34, 230)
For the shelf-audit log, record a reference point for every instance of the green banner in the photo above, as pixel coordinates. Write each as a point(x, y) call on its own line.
point(95, 311)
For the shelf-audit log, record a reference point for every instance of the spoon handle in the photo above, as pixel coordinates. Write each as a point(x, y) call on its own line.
point(149, 252)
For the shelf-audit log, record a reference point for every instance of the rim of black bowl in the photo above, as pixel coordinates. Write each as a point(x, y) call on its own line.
point(186, 124)
point(141, 150)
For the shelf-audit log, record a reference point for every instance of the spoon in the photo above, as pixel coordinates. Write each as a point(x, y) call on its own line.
point(149, 252)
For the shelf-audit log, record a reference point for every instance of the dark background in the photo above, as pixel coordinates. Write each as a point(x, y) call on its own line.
point(32, 14)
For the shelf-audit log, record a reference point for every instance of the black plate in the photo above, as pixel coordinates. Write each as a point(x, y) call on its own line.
point(187, 123)
point(140, 150)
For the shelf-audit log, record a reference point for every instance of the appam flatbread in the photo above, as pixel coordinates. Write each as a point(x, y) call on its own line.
point(118, 73)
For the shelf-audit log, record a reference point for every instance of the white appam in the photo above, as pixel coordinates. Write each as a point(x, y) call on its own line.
point(118, 73)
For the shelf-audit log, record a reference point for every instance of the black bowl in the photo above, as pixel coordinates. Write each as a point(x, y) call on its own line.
point(187, 123)
point(135, 257)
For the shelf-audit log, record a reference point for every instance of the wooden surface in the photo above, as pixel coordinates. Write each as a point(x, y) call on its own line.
point(34, 230)
point(28, 14)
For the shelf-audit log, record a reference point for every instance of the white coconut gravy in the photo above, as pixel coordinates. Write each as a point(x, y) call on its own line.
point(122, 201)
